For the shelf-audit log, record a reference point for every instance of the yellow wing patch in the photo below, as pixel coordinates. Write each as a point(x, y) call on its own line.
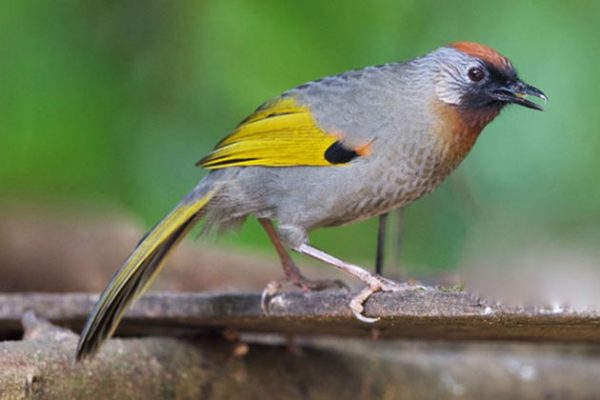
point(280, 134)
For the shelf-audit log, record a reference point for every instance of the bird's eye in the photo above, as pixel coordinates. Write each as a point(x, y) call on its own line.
point(476, 74)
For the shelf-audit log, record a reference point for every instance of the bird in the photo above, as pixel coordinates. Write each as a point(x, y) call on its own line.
point(330, 152)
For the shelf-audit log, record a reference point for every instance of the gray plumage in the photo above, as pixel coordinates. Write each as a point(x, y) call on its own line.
point(381, 105)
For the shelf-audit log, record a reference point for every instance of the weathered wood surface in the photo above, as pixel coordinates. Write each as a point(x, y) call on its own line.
point(41, 367)
point(419, 314)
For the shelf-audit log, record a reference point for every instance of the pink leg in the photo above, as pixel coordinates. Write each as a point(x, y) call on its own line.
point(291, 270)
point(375, 283)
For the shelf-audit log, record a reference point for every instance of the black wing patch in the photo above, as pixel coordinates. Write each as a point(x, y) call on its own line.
point(337, 153)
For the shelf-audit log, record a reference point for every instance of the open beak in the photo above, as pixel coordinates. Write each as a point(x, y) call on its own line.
point(517, 92)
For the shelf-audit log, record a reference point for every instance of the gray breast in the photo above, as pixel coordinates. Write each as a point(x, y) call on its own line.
point(417, 169)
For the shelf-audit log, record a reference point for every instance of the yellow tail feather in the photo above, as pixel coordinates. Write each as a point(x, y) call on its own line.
point(136, 274)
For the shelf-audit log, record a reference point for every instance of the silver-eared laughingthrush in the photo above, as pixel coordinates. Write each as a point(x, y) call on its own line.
point(330, 152)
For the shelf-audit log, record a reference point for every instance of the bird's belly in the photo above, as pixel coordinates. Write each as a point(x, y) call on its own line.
point(388, 188)
point(386, 199)
point(313, 197)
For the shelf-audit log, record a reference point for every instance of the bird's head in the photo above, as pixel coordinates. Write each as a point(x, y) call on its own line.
point(478, 79)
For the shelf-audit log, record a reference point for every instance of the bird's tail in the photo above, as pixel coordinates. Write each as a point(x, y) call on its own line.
point(137, 273)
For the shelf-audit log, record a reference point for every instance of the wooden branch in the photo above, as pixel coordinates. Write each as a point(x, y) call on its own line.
point(422, 314)
point(41, 367)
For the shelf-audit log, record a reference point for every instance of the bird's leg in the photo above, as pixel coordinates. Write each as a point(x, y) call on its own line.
point(380, 243)
point(291, 270)
point(374, 283)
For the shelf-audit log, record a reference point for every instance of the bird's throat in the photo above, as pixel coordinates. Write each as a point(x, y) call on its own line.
point(458, 129)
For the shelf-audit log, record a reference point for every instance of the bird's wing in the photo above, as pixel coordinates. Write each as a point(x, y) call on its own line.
point(281, 133)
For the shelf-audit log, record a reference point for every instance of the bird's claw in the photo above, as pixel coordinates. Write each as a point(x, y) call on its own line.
point(267, 294)
point(376, 283)
point(305, 284)
point(357, 306)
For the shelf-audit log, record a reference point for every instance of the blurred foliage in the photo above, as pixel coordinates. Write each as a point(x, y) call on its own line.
point(115, 101)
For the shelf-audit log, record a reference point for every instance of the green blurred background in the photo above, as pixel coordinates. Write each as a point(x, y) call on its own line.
point(114, 101)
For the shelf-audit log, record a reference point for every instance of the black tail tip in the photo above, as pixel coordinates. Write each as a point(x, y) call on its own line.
point(84, 351)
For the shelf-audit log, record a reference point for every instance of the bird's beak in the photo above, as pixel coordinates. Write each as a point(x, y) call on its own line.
point(517, 92)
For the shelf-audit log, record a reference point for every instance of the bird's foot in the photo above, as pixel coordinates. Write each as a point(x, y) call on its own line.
point(376, 283)
point(307, 285)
